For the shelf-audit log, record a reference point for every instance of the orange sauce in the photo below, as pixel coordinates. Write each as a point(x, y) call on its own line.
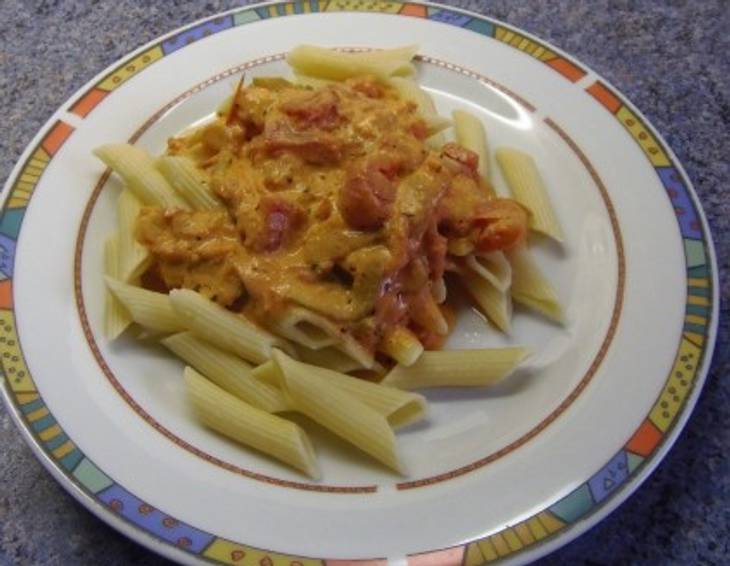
point(334, 200)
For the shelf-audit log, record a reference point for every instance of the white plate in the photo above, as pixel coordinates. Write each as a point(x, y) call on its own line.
point(510, 473)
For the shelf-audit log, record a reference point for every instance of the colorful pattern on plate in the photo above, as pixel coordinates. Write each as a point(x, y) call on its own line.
point(578, 504)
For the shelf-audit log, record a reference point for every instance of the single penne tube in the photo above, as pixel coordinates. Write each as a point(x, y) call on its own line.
point(271, 83)
point(470, 133)
point(147, 308)
point(435, 125)
point(400, 408)
point(356, 351)
point(229, 331)
point(335, 65)
point(226, 414)
point(305, 327)
point(267, 373)
point(492, 267)
point(530, 287)
point(116, 317)
point(402, 345)
point(225, 370)
point(137, 168)
point(428, 315)
point(402, 53)
point(338, 411)
point(188, 181)
point(193, 134)
point(133, 256)
point(410, 90)
point(528, 188)
point(142, 334)
point(496, 304)
point(330, 358)
point(456, 368)
point(439, 290)
point(312, 82)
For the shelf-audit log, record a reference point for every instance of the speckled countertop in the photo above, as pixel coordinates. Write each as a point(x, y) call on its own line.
point(670, 58)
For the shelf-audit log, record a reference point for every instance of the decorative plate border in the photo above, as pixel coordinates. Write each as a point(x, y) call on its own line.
point(689, 368)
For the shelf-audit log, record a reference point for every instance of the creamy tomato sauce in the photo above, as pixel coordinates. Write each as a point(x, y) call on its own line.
point(333, 200)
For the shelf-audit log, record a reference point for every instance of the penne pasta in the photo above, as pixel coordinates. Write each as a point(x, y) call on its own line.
point(528, 188)
point(357, 352)
point(403, 53)
point(456, 368)
point(311, 82)
point(231, 332)
point(402, 345)
point(133, 256)
point(147, 308)
point(409, 90)
point(306, 328)
point(225, 370)
point(439, 290)
point(271, 83)
point(429, 316)
point(470, 133)
point(400, 408)
point(495, 304)
point(137, 169)
point(116, 317)
point(340, 412)
point(266, 373)
point(330, 358)
point(222, 412)
point(492, 267)
point(530, 287)
point(329, 64)
point(187, 181)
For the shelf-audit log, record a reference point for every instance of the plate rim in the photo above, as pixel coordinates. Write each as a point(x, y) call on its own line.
point(562, 535)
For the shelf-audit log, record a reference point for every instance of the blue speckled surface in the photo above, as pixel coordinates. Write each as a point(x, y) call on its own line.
point(670, 58)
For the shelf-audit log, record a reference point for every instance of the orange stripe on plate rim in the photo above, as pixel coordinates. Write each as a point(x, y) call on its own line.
point(88, 102)
point(645, 439)
point(56, 137)
point(414, 10)
point(570, 71)
point(600, 92)
point(6, 294)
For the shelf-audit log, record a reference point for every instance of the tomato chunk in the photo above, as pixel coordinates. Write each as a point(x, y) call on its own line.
point(312, 146)
point(318, 109)
point(366, 199)
point(281, 219)
point(500, 224)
